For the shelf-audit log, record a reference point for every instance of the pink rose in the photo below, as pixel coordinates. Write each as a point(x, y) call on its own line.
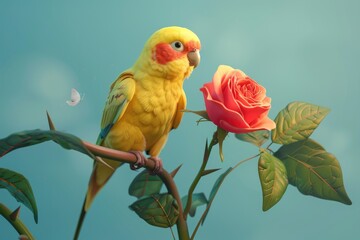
point(236, 103)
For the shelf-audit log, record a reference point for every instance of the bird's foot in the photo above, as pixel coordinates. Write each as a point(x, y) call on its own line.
point(158, 165)
point(140, 160)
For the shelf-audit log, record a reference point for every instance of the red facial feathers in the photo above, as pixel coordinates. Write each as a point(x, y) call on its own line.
point(164, 53)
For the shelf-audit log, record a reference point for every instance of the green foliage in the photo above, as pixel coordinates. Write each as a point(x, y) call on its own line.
point(221, 135)
point(20, 188)
point(159, 210)
point(145, 184)
point(297, 121)
point(198, 199)
point(313, 170)
point(273, 179)
point(257, 138)
point(32, 137)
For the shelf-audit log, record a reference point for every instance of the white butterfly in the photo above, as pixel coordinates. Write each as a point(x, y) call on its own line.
point(75, 98)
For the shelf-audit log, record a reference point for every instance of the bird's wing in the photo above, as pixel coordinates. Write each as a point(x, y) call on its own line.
point(121, 93)
point(181, 105)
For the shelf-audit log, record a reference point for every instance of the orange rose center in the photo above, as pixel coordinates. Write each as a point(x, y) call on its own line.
point(248, 90)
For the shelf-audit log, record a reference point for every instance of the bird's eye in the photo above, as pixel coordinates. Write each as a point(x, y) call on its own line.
point(177, 46)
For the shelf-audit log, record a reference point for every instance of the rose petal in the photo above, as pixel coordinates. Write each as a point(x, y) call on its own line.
point(256, 91)
point(248, 97)
point(218, 112)
point(265, 123)
point(267, 100)
point(229, 99)
point(210, 87)
point(240, 75)
point(230, 128)
point(229, 87)
point(252, 114)
point(218, 79)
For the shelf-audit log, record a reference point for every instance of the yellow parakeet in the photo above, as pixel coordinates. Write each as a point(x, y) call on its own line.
point(145, 102)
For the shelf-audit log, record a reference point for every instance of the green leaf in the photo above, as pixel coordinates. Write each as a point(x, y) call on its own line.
point(145, 184)
point(297, 122)
point(198, 199)
point(202, 113)
point(20, 188)
point(313, 170)
point(221, 135)
point(257, 138)
point(215, 190)
point(273, 179)
point(32, 137)
point(160, 210)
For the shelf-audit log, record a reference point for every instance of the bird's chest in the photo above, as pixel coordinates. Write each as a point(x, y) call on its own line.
point(154, 108)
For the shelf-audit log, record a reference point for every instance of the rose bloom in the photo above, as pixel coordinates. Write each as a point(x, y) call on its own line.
point(236, 103)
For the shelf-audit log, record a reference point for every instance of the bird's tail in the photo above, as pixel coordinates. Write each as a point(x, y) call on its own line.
point(100, 175)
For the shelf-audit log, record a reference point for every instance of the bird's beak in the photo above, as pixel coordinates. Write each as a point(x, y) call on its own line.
point(194, 57)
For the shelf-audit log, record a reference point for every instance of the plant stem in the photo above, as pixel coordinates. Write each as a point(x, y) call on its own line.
point(192, 188)
point(245, 160)
point(199, 174)
point(17, 223)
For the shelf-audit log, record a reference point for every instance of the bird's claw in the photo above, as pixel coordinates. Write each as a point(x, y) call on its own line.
point(140, 160)
point(158, 165)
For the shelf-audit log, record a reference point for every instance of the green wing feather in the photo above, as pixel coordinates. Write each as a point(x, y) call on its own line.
point(121, 93)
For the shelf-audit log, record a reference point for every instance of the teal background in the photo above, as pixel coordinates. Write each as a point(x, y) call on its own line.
point(299, 50)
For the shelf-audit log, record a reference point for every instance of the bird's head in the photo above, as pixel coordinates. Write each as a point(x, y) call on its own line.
point(171, 53)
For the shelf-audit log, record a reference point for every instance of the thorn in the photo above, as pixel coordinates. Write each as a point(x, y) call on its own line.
point(206, 172)
point(23, 237)
point(175, 171)
point(51, 124)
point(15, 214)
point(206, 152)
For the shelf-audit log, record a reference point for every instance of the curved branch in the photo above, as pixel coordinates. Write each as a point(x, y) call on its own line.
point(112, 154)
point(17, 223)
